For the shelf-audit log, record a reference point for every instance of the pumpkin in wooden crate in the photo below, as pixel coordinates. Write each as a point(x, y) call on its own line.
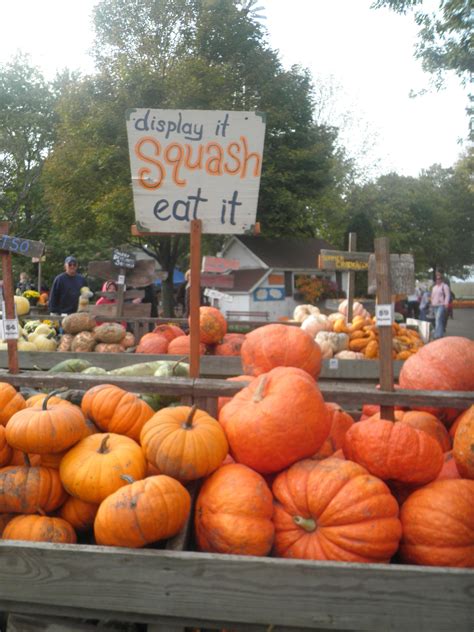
point(184, 442)
point(40, 529)
point(463, 446)
point(11, 401)
point(94, 468)
point(6, 450)
point(113, 409)
point(109, 333)
point(334, 510)
point(230, 345)
point(394, 451)
point(212, 325)
point(446, 364)
point(78, 513)
point(276, 420)
point(143, 512)
point(39, 398)
point(78, 322)
point(128, 341)
point(233, 513)
point(26, 489)
point(46, 428)
point(107, 347)
point(153, 343)
point(181, 346)
point(340, 424)
point(170, 332)
point(438, 525)
point(83, 342)
point(222, 401)
point(65, 343)
point(424, 421)
point(276, 345)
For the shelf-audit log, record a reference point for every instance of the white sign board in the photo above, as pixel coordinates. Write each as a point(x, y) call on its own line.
point(195, 164)
point(210, 293)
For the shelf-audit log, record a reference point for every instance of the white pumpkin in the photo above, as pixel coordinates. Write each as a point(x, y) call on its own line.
point(335, 316)
point(357, 309)
point(45, 344)
point(326, 350)
point(350, 355)
point(316, 323)
point(25, 345)
point(44, 329)
point(338, 342)
point(302, 312)
point(22, 305)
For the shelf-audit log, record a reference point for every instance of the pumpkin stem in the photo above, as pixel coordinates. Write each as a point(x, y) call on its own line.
point(128, 478)
point(177, 363)
point(258, 395)
point(103, 446)
point(188, 424)
point(308, 524)
point(55, 392)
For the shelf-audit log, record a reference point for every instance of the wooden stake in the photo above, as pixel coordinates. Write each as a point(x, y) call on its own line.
point(120, 293)
point(195, 297)
point(8, 291)
point(384, 297)
point(351, 279)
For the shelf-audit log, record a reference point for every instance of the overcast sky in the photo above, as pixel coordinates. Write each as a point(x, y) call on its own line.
point(366, 54)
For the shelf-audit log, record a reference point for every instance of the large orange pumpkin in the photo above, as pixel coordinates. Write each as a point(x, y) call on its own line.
point(334, 510)
point(340, 424)
point(153, 343)
point(95, 467)
point(446, 364)
point(230, 345)
point(276, 345)
point(40, 529)
point(11, 401)
point(438, 525)
point(184, 442)
point(276, 420)
point(234, 513)
point(146, 511)
point(212, 325)
point(25, 489)
point(394, 451)
point(170, 332)
point(222, 401)
point(46, 428)
point(113, 409)
point(425, 421)
point(463, 446)
point(181, 345)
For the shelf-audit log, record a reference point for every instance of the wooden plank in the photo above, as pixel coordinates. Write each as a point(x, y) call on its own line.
point(21, 246)
point(237, 588)
point(29, 623)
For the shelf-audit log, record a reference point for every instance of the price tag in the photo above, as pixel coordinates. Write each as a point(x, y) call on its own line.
point(384, 315)
point(10, 327)
point(121, 279)
point(333, 364)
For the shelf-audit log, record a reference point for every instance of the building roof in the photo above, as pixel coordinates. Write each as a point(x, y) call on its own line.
point(286, 253)
point(244, 280)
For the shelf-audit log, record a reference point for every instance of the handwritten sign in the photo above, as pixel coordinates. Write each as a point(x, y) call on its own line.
point(21, 246)
point(195, 164)
point(344, 261)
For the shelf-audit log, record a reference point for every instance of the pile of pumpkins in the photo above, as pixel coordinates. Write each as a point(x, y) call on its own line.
point(283, 472)
point(358, 339)
point(82, 334)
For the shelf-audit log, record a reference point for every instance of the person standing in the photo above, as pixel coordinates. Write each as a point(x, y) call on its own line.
point(413, 300)
point(440, 301)
point(66, 289)
point(23, 284)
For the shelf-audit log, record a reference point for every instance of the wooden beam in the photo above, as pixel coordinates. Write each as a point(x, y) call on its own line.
point(195, 297)
point(351, 280)
point(384, 297)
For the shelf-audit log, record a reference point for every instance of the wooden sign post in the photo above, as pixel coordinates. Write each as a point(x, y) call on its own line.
point(19, 246)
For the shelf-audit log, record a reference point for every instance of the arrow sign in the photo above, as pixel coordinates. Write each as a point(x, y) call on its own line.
point(21, 246)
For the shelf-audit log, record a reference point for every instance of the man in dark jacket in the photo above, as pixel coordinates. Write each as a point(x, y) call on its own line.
point(66, 289)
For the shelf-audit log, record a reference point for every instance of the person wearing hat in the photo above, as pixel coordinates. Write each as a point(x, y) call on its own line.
point(66, 289)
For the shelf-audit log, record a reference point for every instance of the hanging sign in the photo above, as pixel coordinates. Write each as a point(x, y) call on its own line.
point(195, 165)
point(123, 259)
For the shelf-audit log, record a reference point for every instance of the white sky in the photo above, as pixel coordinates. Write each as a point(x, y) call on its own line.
point(367, 53)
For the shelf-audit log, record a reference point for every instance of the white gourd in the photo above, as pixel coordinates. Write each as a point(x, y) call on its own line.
point(316, 323)
point(302, 312)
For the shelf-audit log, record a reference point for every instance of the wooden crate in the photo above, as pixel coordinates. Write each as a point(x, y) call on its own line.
point(173, 589)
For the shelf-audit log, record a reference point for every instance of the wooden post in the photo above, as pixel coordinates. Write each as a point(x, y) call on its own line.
point(384, 298)
point(8, 292)
point(351, 279)
point(195, 297)
point(120, 294)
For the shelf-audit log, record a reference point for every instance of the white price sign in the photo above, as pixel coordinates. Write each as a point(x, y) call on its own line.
point(10, 329)
point(384, 315)
point(121, 279)
point(333, 364)
point(219, 295)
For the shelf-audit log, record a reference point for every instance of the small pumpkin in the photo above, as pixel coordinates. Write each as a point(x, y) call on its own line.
point(65, 343)
point(170, 332)
point(230, 345)
point(184, 442)
point(233, 513)
point(78, 322)
point(93, 469)
point(40, 529)
point(109, 333)
point(79, 514)
point(181, 346)
point(83, 342)
point(146, 511)
point(212, 325)
point(11, 401)
point(153, 343)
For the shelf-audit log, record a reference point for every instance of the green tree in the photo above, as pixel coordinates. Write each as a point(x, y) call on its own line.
point(200, 54)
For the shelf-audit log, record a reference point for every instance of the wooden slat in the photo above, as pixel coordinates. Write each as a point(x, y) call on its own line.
point(237, 588)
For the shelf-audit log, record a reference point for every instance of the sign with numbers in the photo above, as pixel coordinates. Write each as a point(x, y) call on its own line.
point(384, 315)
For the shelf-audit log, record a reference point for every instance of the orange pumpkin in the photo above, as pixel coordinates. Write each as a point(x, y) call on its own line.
point(234, 513)
point(276, 420)
point(334, 510)
point(222, 401)
point(276, 345)
point(46, 428)
point(438, 525)
point(78, 513)
point(394, 451)
point(18, 458)
point(26, 489)
point(184, 442)
point(463, 446)
point(113, 409)
point(446, 364)
point(181, 345)
point(430, 424)
point(146, 511)
point(340, 424)
point(4, 520)
point(170, 332)
point(153, 343)
point(11, 401)
point(230, 345)
point(212, 325)
point(94, 468)
point(40, 529)
point(38, 399)
point(449, 469)
point(6, 450)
